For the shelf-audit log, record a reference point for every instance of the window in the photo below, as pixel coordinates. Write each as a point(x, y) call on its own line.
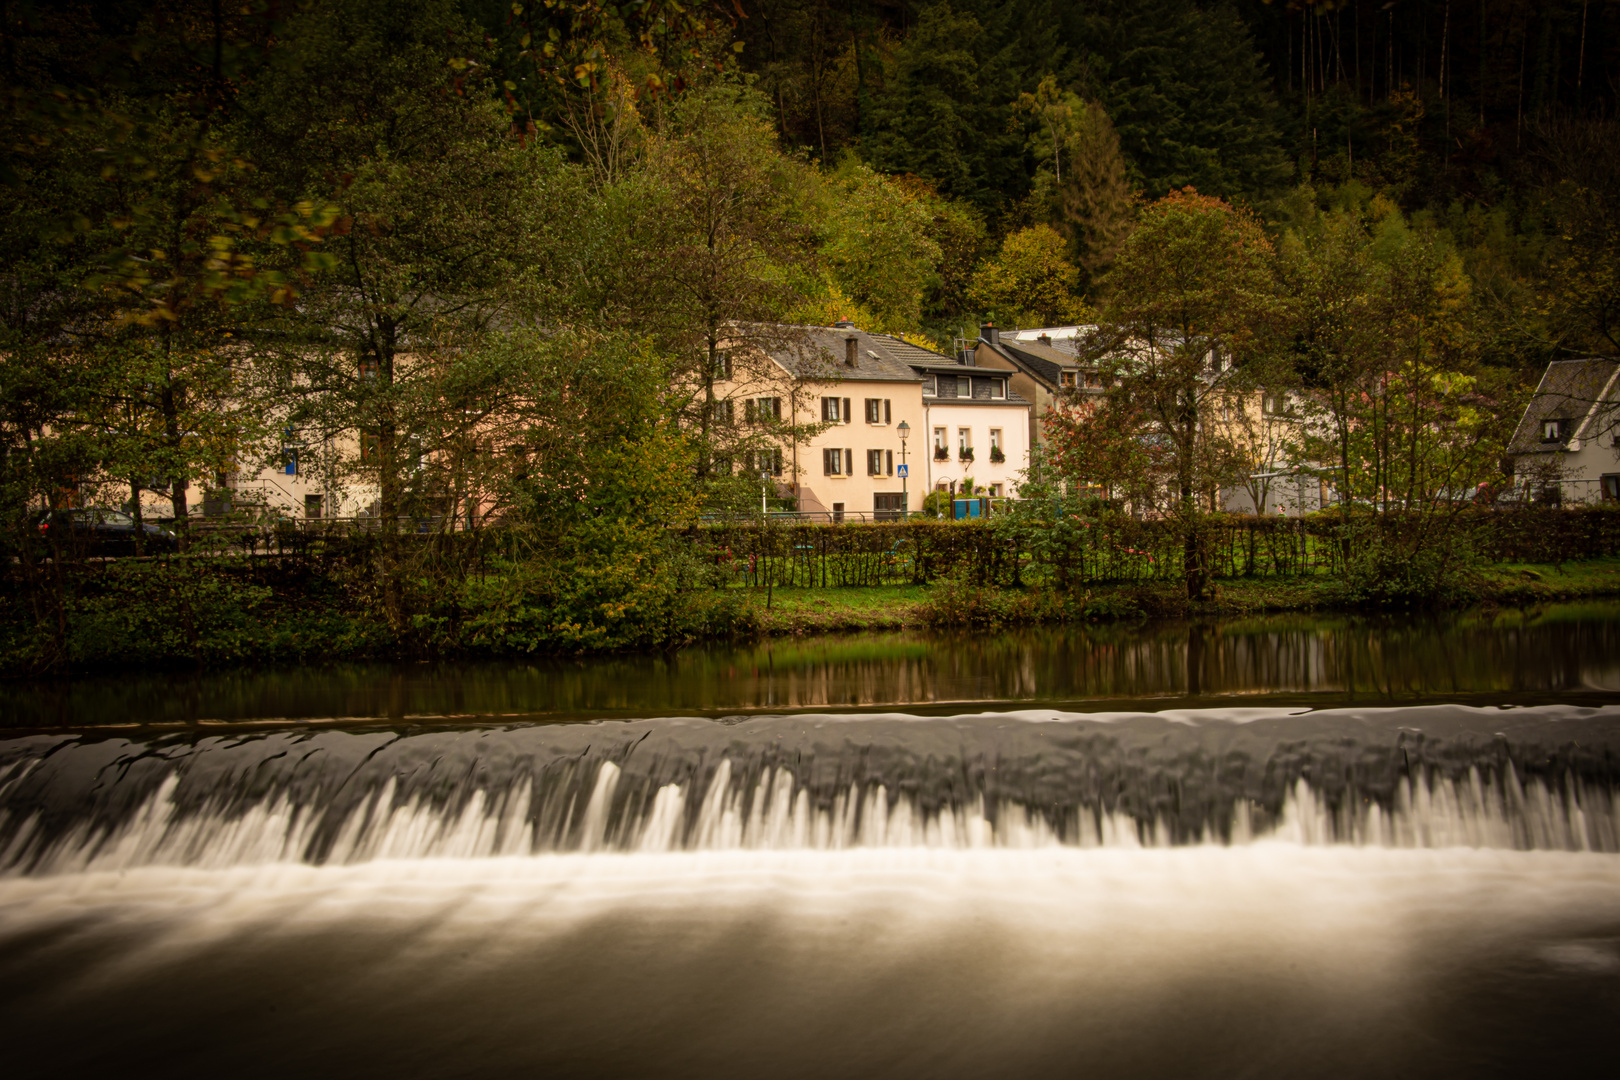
point(1611, 487)
point(289, 453)
point(998, 388)
point(942, 451)
point(768, 461)
point(312, 506)
point(1274, 404)
point(929, 385)
point(838, 513)
point(874, 463)
point(1066, 379)
point(877, 410)
point(1094, 380)
point(996, 491)
point(995, 438)
point(964, 438)
point(888, 506)
point(964, 386)
point(1554, 430)
point(835, 410)
point(724, 411)
point(370, 448)
point(759, 410)
point(721, 365)
point(369, 368)
point(837, 462)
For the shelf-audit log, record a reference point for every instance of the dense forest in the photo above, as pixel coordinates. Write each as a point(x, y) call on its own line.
point(508, 242)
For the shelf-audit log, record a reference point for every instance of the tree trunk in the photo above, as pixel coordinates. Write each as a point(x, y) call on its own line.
point(172, 399)
point(135, 512)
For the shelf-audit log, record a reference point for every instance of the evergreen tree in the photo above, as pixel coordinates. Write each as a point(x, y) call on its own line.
point(1188, 94)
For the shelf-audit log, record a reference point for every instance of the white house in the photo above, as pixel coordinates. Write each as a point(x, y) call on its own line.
point(1567, 446)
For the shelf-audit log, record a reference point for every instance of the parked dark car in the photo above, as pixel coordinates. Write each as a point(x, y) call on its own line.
point(97, 532)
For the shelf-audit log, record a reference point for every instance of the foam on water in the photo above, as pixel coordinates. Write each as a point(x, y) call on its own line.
point(776, 813)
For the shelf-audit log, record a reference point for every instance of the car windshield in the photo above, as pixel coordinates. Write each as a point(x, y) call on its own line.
point(116, 517)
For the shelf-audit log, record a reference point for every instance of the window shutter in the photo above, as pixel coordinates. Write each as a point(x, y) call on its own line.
point(886, 414)
point(824, 410)
point(889, 458)
point(826, 462)
point(849, 462)
point(845, 414)
point(776, 409)
point(748, 411)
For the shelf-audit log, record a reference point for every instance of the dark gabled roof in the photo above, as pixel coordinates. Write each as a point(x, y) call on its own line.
point(1570, 390)
point(1042, 361)
point(820, 351)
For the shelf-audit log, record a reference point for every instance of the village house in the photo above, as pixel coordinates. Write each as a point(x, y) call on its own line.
point(1566, 449)
point(846, 396)
point(850, 392)
point(1045, 367)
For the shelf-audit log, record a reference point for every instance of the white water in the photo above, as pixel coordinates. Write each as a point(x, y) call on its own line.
point(1272, 959)
point(775, 814)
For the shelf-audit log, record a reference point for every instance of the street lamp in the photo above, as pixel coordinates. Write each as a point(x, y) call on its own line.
point(905, 491)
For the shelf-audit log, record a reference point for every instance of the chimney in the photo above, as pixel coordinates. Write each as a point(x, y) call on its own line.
point(1046, 339)
point(852, 348)
point(843, 324)
point(988, 332)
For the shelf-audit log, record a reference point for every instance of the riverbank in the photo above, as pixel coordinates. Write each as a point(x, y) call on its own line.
point(142, 617)
point(893, 607)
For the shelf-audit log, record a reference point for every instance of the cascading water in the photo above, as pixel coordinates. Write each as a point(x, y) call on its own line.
point(1252, 890)
point(801, 783)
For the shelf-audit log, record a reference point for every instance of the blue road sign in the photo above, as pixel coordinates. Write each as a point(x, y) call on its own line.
point(904, 470)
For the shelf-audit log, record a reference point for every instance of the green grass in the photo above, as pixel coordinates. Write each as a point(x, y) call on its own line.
point(818, 610)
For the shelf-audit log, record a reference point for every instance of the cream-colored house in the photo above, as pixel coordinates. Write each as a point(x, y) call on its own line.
point(851, 393)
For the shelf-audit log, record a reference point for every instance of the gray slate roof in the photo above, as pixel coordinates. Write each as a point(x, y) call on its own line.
point(820, 350)
point(1569, 390)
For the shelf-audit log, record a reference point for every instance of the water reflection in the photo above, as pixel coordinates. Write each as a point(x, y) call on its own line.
point(1557, 652)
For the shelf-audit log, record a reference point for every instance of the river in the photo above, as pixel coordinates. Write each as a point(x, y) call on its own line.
point(1330, 846)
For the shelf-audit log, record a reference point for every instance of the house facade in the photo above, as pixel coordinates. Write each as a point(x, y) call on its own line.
point(1043, 365)
point(850, 391)
point(978, 428)
point(1566, 449)
point(847, 395)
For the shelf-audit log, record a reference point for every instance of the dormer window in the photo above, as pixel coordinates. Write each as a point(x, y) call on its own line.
point(928, 385)
point(1554, 430)
point(1066, 379)
point(998, 388)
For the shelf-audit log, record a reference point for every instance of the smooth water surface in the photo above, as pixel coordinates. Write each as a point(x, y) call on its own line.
point(1561, 652)
point(1277, 848)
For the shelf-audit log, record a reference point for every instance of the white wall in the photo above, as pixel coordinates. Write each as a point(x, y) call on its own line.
point(1013, 422)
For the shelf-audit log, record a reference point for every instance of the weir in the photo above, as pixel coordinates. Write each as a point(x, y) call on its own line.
point(1238, 867)
point(1436, 776)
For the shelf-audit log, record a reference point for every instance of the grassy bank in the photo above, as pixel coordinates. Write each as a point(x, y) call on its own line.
point(808, 611)
point(151, 616)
